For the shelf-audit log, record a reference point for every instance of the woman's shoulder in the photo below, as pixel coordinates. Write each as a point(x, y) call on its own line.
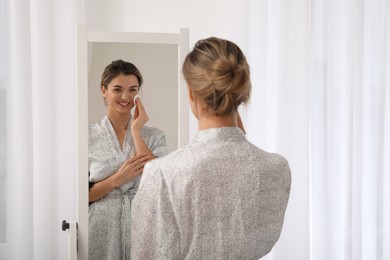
point(99, 130)
point(274, 162)
point(95, 129)
point(278, 162)
point(271, 158)
point(98, 125)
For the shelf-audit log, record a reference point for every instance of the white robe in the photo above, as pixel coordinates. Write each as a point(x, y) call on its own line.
point(109, 217)
point(220, 197)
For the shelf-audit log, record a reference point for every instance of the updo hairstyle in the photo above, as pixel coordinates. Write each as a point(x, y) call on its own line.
point(218, 73)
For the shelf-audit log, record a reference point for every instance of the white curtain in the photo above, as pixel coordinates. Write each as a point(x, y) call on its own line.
point(324, 71)
point(41, 119)
point(278, 116)
point(3, 172)
point(321, 97)
point(349, 130)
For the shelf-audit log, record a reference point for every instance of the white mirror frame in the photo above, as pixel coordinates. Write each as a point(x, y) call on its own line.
point(83, 37)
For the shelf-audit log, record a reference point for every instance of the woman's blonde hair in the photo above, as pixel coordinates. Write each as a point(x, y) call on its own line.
point(217, 72)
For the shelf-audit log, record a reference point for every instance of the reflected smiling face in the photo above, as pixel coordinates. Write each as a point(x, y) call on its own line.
point(120, 93)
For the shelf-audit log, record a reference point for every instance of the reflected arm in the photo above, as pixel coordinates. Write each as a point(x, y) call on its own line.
point(140, 145)
point(102, 188)
point(130, 169)
point(157, 147)
point(140, 118)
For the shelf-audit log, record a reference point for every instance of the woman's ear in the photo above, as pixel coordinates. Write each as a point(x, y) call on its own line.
point(104, 91)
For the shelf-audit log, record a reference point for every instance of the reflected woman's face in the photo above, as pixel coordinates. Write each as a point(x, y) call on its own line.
point(120, 93)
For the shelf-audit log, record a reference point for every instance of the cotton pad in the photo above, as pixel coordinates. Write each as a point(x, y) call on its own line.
point(135, 97)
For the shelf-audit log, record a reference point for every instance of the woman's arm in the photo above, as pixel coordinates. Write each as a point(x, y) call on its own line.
point(155, 233)
point(130, 169)
point(101, 188)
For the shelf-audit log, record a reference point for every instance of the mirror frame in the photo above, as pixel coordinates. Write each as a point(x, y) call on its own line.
point(83, 37)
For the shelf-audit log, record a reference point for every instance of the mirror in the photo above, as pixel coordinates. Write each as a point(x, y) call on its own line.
point(158, 56)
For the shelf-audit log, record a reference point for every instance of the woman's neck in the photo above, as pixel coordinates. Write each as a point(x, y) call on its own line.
point(209, 120)
point(119, 121)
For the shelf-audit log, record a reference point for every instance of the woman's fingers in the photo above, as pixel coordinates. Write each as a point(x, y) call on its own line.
point(140, 166)
point(139, 162)
point(137, 157)
point(139, 105)
point(140, 110)
point(133, 167)
point(136, 113)
point(140, 116)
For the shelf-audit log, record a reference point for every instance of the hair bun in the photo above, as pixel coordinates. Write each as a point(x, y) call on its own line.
point(218, 72)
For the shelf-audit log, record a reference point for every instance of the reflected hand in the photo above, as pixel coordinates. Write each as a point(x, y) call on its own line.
point(132, 168)
point(140, 116)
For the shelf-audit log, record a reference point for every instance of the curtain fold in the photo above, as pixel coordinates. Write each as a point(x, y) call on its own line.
point(41, 126)
point(44, 128)
point(278, 115)
point(3, 124)
point(386, 148)
point(321, 69)
point(348, 119)
point(19, 134)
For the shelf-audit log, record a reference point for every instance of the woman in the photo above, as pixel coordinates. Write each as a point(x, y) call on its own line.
point(219, 197)
point(119, 147)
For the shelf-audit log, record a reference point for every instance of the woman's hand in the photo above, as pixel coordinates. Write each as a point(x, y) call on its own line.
point(139, 120)
point(131, 168)
point(140, 117)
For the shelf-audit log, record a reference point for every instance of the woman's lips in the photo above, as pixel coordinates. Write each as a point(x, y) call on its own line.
point(124, 103)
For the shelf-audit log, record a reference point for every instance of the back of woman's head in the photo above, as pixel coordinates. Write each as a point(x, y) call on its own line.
point(117, 68)
point(218, 73)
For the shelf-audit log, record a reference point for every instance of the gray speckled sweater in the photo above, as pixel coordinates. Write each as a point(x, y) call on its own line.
point(219, 197)
point(109, 217)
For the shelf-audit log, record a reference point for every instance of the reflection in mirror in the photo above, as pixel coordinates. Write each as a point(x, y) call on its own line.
point(158, 64)
point(113, 167)
point(163, 94)
point(119, 146)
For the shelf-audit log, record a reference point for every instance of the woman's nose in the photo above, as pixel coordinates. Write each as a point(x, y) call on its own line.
point(124, 95)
